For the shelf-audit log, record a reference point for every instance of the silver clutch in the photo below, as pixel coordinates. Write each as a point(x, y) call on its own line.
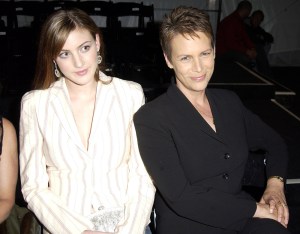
point(107, 219)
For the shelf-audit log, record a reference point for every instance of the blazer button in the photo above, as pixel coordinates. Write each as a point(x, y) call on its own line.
point(225, 176)
point(226, 156)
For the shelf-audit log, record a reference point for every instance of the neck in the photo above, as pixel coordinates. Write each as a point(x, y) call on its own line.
point(198, 98)
point(82, 91)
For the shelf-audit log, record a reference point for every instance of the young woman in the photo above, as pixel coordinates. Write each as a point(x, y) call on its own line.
point(81, 171)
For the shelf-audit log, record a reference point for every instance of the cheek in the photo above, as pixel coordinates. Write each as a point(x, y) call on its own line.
point(210, 63)
point(63, 66)
point(183, 67)
point(211, 69)
point(92, 58)
point(93, 55)
point(180, 70)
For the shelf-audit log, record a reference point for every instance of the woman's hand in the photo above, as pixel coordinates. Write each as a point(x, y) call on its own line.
point(275, 198)
point(263, 211)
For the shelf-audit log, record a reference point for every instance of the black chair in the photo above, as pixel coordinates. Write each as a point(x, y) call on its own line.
point(137, 46)
point(6, 26)
point(27, 13)
point(129, 9)
point(129, 37)
point(148, 11)
point(98, 9)
point(23, 43)
point(6, 14)
point(51, 6)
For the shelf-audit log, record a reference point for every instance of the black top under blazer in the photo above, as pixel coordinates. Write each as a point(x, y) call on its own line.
point(198, 172)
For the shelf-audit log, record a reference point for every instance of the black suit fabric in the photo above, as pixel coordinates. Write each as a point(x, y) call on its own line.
point(198, 172)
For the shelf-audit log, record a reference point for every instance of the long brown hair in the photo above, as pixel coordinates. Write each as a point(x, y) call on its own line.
point(54, 34)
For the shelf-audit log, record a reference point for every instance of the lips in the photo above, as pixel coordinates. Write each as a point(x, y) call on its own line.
point(198, 78)
point(82, 72)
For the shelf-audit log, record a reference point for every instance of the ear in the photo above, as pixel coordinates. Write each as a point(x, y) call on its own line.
point(97, 42)
point(168, 61)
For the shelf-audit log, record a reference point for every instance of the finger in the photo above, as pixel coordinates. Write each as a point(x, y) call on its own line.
point(286, 213)
point(283, 224)
point(280, 212)
point(272, 205)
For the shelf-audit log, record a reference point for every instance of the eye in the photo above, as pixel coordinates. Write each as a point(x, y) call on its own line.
point(64, 54)
point(85, 48)
point(184, 58)
point(206, 53)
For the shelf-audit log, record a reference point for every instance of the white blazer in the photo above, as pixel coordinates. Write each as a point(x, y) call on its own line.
point(63, 182)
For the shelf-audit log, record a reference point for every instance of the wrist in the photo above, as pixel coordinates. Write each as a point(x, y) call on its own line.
point(279, 178)
point(275, 181)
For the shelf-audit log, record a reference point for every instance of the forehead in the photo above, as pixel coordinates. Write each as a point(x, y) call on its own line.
point(76, 38)
point(187, 42)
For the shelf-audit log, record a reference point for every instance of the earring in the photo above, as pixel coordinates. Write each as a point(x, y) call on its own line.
point(56, 71)
point(99, 58)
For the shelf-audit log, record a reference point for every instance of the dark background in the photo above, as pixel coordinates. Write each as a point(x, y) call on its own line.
point(135, 54)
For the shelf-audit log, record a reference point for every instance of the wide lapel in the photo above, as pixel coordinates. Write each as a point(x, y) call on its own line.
point(217, 114)
point(62, 107)
point(105, 100)
point(189, 112)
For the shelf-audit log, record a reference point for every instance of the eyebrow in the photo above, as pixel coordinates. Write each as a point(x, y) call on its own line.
point(211, 49)
point(180, 55)
point(79, 45)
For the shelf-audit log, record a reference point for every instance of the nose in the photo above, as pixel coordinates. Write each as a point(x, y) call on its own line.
point(197, 65)
point(78, 60)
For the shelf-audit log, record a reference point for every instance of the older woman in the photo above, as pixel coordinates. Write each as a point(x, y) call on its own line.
point(195, 141)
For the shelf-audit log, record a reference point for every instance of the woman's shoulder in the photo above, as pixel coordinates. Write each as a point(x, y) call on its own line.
point(223, 94)
point(10, 132)
point(158, 108)
point(40, 94)
point(8, 126)
point(127, 84)
point(226, 98)
point(127, 90)
point(33, 96)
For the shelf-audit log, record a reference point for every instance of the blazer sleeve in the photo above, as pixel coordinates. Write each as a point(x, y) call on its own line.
point(140, 193)
point(261, 136)
point(48, 207)
point(199, 203)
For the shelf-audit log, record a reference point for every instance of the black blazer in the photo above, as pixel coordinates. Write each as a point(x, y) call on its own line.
point(198, 172)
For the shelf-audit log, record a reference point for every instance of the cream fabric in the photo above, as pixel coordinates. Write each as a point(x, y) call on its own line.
point(64, 183)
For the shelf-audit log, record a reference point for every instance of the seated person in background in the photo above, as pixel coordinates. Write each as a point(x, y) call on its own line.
point(262, 41)
point(232, 40)
point(195, 143)
point(8, 167)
